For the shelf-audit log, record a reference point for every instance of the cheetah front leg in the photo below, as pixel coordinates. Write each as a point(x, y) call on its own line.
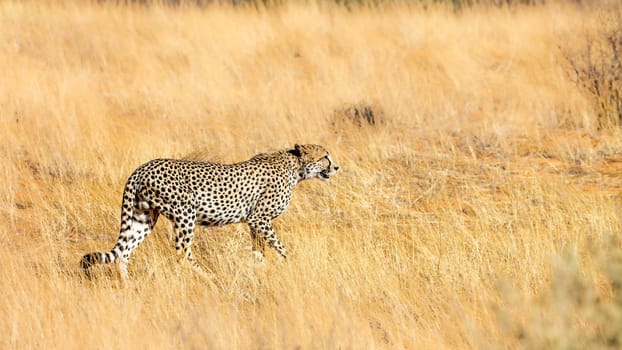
point(261, 232)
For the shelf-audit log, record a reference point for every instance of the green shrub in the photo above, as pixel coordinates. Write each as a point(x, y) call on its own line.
point(577, 310)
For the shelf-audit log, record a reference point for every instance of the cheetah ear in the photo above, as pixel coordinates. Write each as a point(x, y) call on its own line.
point(297, 151)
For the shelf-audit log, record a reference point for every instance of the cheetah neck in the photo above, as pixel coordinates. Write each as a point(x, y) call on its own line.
point(296, 165)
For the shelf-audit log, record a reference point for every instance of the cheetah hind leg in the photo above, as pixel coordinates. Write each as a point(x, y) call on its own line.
point(262, 230)
point(258, 248)
point(205, 275)
point(184, 234)
point(133, 232)
point(140, 227)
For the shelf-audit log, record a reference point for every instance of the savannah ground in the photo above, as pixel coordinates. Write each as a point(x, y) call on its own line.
point(482, 210)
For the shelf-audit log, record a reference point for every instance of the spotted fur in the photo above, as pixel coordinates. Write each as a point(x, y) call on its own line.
point(191, 193)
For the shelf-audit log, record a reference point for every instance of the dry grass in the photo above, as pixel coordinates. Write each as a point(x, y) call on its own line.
point(447, 227)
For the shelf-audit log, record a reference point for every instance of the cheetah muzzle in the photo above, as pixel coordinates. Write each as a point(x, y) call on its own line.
point(191, 193)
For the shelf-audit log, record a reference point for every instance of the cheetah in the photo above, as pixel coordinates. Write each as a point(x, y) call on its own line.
point(189, 192)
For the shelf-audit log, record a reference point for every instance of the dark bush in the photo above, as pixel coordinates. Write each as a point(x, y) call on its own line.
point(359, 114)
point(596, 68)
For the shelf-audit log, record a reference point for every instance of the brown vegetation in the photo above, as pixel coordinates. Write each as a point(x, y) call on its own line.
point(482, 211)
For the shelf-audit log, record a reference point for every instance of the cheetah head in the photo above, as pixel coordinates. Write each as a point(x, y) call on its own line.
point(315, 162)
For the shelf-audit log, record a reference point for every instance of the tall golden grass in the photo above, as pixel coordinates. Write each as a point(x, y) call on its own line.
point(481, 211)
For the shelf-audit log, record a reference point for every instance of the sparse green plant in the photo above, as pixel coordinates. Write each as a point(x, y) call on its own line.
point(582, 306)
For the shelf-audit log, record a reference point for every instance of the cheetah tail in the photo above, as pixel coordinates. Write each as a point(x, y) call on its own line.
point(90, 259)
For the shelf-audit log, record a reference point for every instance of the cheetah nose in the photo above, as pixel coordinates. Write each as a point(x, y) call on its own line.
point(336, 167)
